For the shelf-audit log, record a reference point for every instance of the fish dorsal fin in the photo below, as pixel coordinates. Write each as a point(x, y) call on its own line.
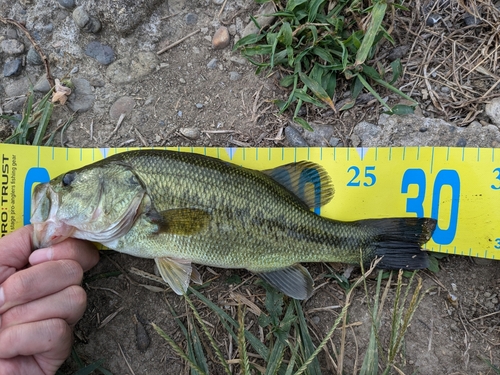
point(182, 221)
point(294, 281)
point(177, 273)
point(308, 181)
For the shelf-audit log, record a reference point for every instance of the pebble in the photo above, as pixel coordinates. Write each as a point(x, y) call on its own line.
point(470, 20)
point(218, 2)
point(182, 80)
point(132, 69)
point(12, 47)
point(191, 133)
point(191, 19)
point(15, 105)
point(445, 89)
point(19, 87)
point(261, 18)
point(74, 70)
point(149, 100)
point(101, 52)
point(33, 57)
point(85, 21)
point(492, 110)
point(212, 64)
point(12, 67)
point(199, 105)
point(179, 113)
point(433, 19)
point(334, 142)
point(315, 319)
point(234, 76)
point(42, 85)
point(68, 4)
point(294, 137)
point(221, 38)
point(81, 98)
point(123, 105)
point(320, 135)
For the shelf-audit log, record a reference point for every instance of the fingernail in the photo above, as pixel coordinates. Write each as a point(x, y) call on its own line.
point(41, 255)
point(2, 296)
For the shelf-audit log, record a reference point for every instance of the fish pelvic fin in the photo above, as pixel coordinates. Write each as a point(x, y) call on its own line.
point(399, 242)
point(308, 181)
point(181, 221)
point(294, 281)
point(177, 273)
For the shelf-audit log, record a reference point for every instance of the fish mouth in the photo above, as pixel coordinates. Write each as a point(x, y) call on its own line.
point(47, 229)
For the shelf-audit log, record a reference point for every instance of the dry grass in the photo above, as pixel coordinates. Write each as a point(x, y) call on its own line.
point(452, 67)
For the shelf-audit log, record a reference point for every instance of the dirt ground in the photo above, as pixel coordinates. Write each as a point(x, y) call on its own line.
point(456, 328)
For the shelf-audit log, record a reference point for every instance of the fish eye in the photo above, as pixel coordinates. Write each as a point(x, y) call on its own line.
point(68, 178)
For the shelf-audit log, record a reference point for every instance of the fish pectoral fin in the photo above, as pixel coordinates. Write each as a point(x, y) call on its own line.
point(176, 272)
point(294, 281)
point(183, 221)
point(308, 181)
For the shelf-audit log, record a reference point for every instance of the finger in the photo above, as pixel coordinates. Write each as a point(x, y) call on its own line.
point(15, 249)
point(83, 252)
point(52, 337)
point(39, 281)
point(69, 304)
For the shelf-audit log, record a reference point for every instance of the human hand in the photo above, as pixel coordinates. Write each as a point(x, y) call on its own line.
point(40, 304)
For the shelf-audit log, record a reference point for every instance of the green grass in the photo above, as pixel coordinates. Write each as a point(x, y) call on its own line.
point(315, 43)
point(36, 116)
point(287, 347)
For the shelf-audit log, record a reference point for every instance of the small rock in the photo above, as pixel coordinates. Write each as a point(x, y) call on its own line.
point(212, 64)
point(68, 4)
point(97, 81)
point(182, 80)
point(492, 110)
point(218, 2)
point(132, 69)
point(221, 38)
point(85, 21)
point(433, 19)
point(123, 105)
point(232, 30)
point(19, 87)
point(470, 20)
point(262, 20)
point(12, 67)
point(74, 70)
point(315, 319)
point(179, 113)
point(33, 57)
point(42, 85)
point(199, 105)
point(366, 132)
point(294, 137)
point(334, 141)
point(14, 105)
point(191, 133)
point(82, 97)
point(101, 52)
point(238, 60)
point(12, 47)
point(191, 19)
point(445, 89)
point(234, 76)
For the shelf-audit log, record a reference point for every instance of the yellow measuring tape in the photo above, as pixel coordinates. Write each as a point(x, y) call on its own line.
point(458, 186)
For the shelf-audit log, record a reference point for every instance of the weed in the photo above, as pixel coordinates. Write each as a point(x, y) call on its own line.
point(315, 42)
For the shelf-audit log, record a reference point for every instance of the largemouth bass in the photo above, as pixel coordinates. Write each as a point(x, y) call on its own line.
point(182, 208)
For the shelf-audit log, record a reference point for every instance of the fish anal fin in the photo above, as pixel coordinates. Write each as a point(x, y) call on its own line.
point(181, 221)
point(308, 181)
point(176, 272)
point(294, 281)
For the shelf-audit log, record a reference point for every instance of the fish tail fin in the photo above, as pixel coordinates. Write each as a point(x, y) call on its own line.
point(399, 241)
